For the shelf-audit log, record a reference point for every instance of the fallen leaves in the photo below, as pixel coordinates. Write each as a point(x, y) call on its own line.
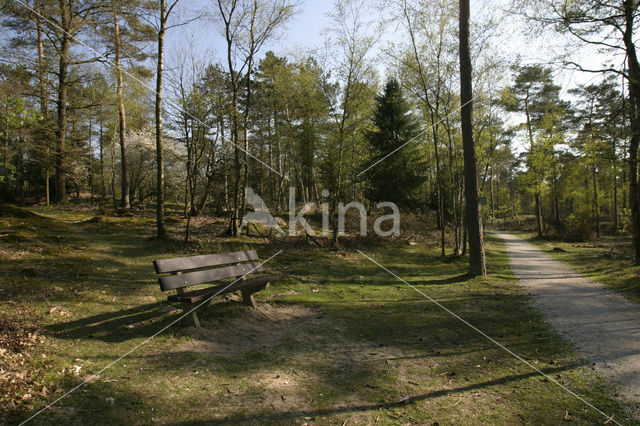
point(57, 310)
point(19, 381)
point(74, 370)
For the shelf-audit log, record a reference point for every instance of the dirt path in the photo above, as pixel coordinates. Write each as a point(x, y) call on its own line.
point(603, 325)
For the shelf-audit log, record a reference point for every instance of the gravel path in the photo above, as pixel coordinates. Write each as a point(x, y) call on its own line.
point(603, 325)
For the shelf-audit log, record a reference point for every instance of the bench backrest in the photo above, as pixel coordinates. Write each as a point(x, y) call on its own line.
point(193, 270)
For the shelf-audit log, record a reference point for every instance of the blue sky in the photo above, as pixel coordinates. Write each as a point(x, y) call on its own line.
point(302, 32)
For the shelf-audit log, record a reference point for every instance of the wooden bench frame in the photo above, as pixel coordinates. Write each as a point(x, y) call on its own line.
point(182, 272)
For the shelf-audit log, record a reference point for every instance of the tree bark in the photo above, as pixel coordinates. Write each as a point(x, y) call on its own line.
point(113, 171)
point(103, 187)
point(245, 175)
point(596, 201)
point(44, 104)
point(125, 187)
point(161, 229)
point(634, 116)
point(20, 170)
point(615, 204)
point(233, 220)
point(439, 192)
point(538, 209)
point(61, 129)
point(90, 160)
point(477, 262)
point(492, 201)
point(5, 185)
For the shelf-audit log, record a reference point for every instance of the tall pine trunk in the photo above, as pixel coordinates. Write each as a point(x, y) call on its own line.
point(634, 117)
point(44, 104)
point(61, 128)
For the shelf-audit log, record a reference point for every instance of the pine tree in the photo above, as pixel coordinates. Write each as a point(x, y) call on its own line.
point(400, 172)
point(477, 260)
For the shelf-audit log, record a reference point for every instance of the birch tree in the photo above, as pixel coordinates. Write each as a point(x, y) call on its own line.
point(246, 25)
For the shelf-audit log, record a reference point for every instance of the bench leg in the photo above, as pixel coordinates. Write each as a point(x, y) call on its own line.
point(196, 321)
point(210, 302)
point(247, 295)
point(193, 315)
point(247, 298)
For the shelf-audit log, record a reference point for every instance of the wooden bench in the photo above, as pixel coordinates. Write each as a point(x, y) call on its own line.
point(183, 272)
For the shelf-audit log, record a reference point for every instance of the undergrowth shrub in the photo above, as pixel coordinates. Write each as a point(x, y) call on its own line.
point(577, 228)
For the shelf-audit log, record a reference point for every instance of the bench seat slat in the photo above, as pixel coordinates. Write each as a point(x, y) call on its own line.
point(196, 296)
point(181, 264)
point(172, 282)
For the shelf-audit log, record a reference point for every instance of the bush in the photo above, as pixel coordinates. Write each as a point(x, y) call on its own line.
point(577, 229)
point(518, 223)
point(625, 219)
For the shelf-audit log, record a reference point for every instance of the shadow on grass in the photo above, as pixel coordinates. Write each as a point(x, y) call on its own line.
point(448, 280)
point(117, 326)
point(102, 402)
point(291, 415)
point(140, 321)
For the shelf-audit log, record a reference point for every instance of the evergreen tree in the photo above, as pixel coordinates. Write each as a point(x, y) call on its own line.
point(535, 94)
point(397, 177)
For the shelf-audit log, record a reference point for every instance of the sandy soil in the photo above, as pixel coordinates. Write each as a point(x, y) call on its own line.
point(603, 325)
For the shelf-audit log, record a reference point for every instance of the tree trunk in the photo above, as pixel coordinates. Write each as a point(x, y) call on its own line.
point(460, 226)
point(625, 188)
point(44, 104)
point(443, 225)
point(161, 229)
point(103, 188)
point(272, 181)
point(245, 176)
point(538, 209)
point(261, 171)
point(233, 220)
point(113, 172)
point(90, 160)
point(21, 179)
point(634, 196)
point(596, 202)
point(477, 262)
point(464, 236)
point(61, 129)
point(281, 195)
point(439, 184)
point(556, 200)
point(456, 213)
point(492, 199)
point(189, 145)
point(634, 116)
point(615, 204)
point(125, 187)
point(5, 171)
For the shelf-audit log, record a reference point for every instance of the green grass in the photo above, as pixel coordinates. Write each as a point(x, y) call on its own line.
point(607, 260)
point(339, 341)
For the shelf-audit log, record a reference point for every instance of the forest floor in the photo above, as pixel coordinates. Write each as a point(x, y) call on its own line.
point(603, 324)
point(340, 341)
